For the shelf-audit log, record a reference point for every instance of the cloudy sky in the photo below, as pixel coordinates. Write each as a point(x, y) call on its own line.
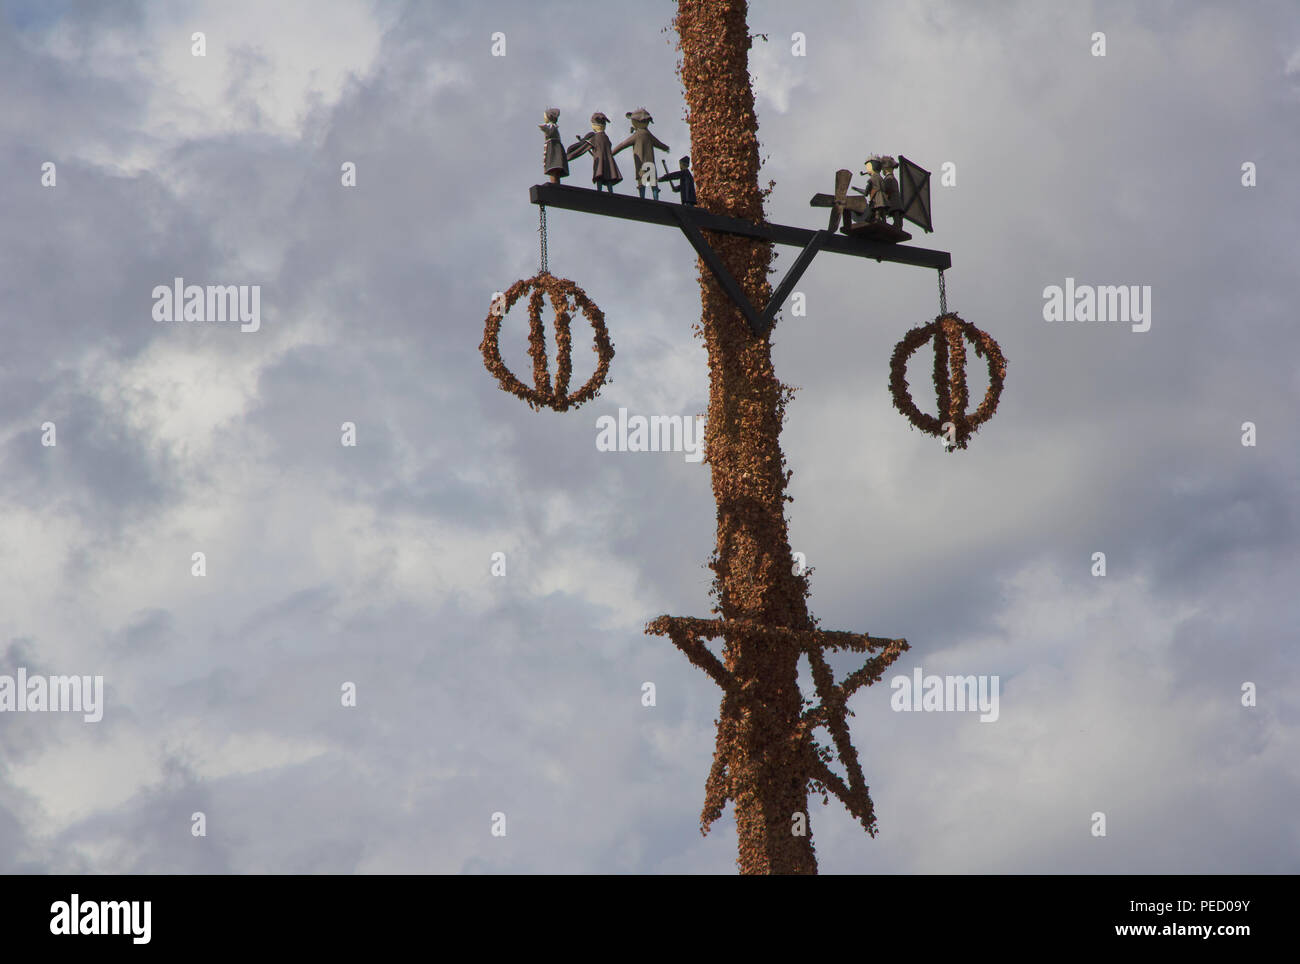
point(521, 694)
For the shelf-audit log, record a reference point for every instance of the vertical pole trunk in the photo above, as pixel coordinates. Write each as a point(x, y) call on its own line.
point(766, 769)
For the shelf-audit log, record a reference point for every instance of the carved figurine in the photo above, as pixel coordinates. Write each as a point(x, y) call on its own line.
point(875, 190)
point(643, 145)
point(554, 164)
point(893, 208)
point(882, 192)
point(687, 179)
point(866, 216)
point(604, 169)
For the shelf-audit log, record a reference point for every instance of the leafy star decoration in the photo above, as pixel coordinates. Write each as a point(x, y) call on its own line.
point(689, 635)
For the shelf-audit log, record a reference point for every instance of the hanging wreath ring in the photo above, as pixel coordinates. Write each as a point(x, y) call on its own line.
point(543, 393)
point(950, 334)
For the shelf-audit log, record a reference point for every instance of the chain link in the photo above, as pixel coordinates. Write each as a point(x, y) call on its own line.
point(541, 232)
point(943, 294)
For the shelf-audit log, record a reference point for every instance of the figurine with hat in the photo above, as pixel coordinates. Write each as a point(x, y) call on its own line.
point(682, 181)
point(554, 164)
point(883, 193)
point(604, 169)
point(643, 145)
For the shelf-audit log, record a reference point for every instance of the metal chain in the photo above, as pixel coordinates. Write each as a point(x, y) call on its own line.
point(541, 231)
point(943, 294)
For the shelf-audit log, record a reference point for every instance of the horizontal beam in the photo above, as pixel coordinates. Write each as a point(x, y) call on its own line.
point(634, 208)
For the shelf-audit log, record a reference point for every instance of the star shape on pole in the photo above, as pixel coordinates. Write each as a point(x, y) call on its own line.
point(689, 634)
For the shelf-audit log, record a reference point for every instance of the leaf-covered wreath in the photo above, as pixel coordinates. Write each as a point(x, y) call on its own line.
point(543, 393)
point(949, 333)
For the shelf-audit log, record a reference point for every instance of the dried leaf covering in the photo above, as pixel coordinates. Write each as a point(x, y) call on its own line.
point(765, 759)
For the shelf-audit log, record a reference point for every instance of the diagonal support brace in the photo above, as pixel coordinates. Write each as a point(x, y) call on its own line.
point(792, 276)
point(710, 258)
point(759, 324)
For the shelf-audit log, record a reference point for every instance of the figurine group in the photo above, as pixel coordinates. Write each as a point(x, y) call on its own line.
point(604, 169)
point(885, 203)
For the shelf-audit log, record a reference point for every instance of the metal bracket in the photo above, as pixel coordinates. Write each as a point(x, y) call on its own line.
point(792, 276)
point(760, 325)
point(710, 258)
point(691, 220)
